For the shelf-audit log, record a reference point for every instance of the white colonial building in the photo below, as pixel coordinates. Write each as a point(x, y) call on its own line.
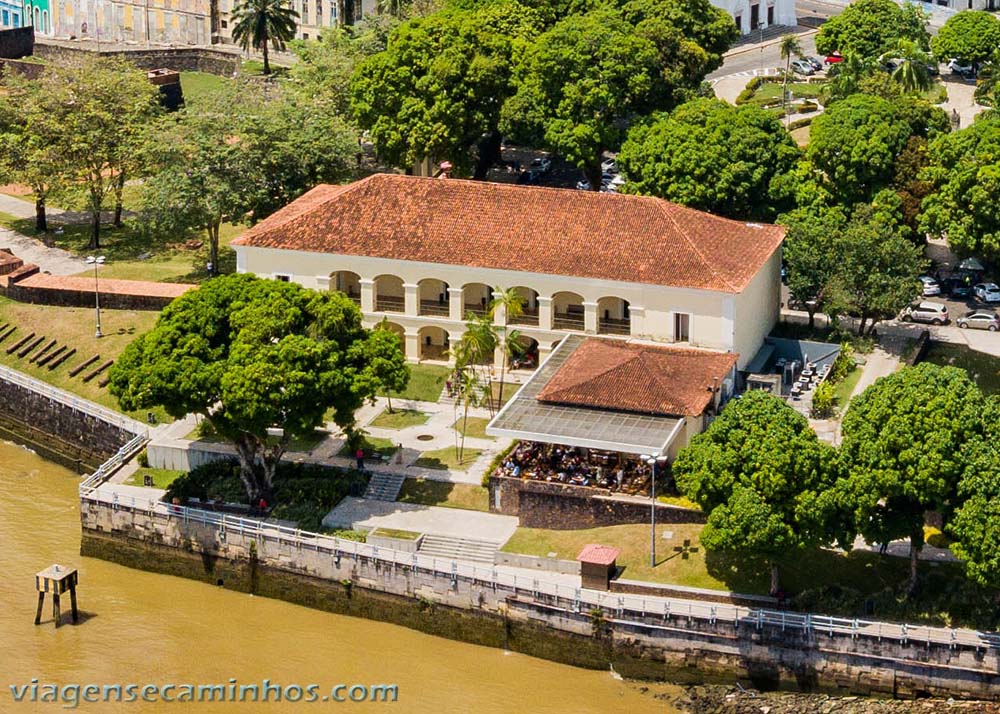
point(422, 254)
point(751, 14)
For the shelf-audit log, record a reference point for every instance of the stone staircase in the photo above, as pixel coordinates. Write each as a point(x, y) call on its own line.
point(454, 548)
point(384, 487)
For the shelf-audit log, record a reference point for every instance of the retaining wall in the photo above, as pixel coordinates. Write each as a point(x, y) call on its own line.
point(182, 59)
point(670, 645)
point(543, 504)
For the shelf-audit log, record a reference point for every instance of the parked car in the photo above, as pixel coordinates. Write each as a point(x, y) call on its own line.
point(609, 166)
point(958, 288)
point(930, 286)
point(987, 292)
point(979, 320)
point(542, 165)
point(816, 62)
point(934, 313)
point(834, 58)
point(802, 66)
point(529, 178)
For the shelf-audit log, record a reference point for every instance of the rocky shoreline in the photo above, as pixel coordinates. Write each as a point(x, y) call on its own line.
point(711, 699)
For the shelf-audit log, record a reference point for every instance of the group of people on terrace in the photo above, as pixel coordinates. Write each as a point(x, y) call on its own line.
point(576, 466)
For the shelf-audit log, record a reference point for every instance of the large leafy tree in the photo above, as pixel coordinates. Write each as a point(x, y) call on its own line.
point(870, 28)
point(811, 252)
point(437, 90)
point(976, 524)
point(251, 355)
point(713, 156)
point(878, 266)
point(763, 477)
point(385, 362)
point(855, 144)
point(263, 24)
point(965, 173)
point(970, 35)
point(902, 450)
point(583, 80)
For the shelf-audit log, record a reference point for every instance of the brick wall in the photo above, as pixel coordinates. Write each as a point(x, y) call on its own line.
point(540, 504)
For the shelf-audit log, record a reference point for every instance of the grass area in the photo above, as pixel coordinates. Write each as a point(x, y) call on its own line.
point(856, 584)
point(399, 419)
point(74, 327)
point(396, 533)
point(425, 492)
point(426, 383)
point(372, 446)
point(771, 91)
point(197, 86)
point(447, 459)
point(679, 501)
point(161, 477)
point(346, 534)
point(842, 390)
point(509, 390)
point(473, 427)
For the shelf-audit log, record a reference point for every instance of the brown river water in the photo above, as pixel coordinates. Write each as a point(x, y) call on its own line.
point(144, 628)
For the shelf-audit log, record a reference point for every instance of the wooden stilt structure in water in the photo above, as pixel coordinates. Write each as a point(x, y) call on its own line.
point(56, 579)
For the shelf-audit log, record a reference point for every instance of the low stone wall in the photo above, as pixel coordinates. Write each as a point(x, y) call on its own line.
point(186, 455)
point(542, 504)
point(30, 70)
point(69, 291)
point(17, 42)
point(668, 646)
point(532, 562)
point(183, 59)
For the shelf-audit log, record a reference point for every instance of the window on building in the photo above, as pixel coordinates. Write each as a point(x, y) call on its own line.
point(5, 17)
point(225, 24)
point(283, 277)
point(305, 35)
point(682, 327)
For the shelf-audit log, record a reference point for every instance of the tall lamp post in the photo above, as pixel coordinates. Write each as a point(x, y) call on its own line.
point(653, 460)
point(95, 261)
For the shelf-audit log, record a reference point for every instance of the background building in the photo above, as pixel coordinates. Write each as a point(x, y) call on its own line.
point(750, 14)
point(178, 22)
point(12, 14)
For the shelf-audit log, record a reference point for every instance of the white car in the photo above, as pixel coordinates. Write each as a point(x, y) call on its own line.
point(609, 166)
point(802, 66)
point(930, 286)
point(987, 292)
point(933, 312)
point(541, 165)
point(979, 320)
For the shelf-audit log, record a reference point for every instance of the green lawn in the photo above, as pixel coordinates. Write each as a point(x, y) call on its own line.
point(447, 459)
point(474, 427)
point(161, 477)
point(372, 445)
point(396, 533)
point(842, 390)
point(426, 383)
point(199, 85)
point(74, 327)
point(399, 419)
point(426, 492)
point(771, 91)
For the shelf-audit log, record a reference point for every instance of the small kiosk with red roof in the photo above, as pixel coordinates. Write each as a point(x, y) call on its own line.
point(597, 565)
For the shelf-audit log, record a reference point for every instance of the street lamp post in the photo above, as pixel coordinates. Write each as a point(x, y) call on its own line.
point(653, 460)
point(95, 261)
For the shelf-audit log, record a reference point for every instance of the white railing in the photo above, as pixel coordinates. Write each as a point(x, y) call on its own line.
point(625, 609)
point(120, 457)
point(71, 400)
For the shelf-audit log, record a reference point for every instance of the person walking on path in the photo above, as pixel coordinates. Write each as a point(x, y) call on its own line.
point(360, 456)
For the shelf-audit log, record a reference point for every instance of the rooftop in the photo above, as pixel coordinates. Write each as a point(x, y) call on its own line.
point(598, 554)
point(637, 377)
point(623, 238)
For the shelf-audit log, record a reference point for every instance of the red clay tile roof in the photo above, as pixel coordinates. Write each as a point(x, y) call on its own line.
point(643, 378)
point(598, 554)
point(525, 228)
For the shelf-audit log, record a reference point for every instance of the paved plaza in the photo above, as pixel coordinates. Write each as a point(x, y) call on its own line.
point(365, 514)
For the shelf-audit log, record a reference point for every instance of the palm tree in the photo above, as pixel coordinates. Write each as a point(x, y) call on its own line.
point(789, 47)
point(477, 347)
point(260, 23)
point(911, 73)
point(513, 307)
point(468, 395)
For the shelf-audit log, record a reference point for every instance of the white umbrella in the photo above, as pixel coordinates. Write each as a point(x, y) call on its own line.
point(971, 264)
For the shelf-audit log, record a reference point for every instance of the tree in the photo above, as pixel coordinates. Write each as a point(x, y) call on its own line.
point(870, 28)
point(262, 24)
point(708, 154)
point(437, 90)
point(878, 266)
point(761, 475)
point(811, 252)
point(113, 106)
point(788, 48)
point(511, 305)
point(911, 73)
point(385, 362)
point(965, 174)
point(902, 446)
point(855, 143)
point(251, 355)
point(325, 67)
point(31, 133)
point(976, 524)
point(585, 78)
point(970, 35)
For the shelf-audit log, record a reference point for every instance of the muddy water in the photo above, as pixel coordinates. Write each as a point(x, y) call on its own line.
point(144, 628)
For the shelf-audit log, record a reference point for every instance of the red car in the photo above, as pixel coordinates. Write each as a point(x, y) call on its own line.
point(834, 58)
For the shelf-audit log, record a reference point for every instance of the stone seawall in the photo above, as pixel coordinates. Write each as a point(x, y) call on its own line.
point(670, 646)
point(542, 504)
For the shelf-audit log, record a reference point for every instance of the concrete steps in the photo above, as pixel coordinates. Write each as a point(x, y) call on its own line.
point(453, 548)
point(384, 487)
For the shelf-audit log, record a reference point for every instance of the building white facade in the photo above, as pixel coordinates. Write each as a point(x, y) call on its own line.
point(752, 14)
point(426, 301)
